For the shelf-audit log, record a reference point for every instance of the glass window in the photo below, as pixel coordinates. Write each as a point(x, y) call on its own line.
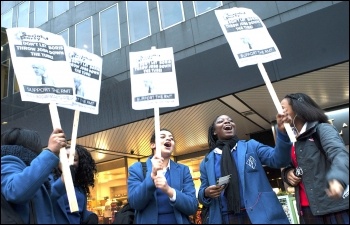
point(201, 7)
point(4, 78)
point(60, 7)
point(170, 13)
point(15, 84)
point(6, 19)
point(83, 35)
point(23, 15)
point(65, 35)
point(110, 189)
point(78, 2)
point(5, 51)
point(138, 20)
point(40, 13)
point(109, 25)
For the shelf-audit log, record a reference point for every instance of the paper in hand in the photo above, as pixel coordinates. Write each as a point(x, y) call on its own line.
point(223, 180)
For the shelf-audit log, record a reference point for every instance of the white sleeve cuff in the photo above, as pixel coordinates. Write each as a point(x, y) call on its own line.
point(173, 199)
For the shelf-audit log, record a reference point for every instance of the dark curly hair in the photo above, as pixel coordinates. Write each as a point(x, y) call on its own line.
point(86, 171)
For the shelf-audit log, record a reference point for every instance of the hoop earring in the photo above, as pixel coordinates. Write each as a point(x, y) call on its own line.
point(294, 129)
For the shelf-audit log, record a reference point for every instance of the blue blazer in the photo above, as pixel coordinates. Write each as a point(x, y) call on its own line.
point(60, 206)
point(142, 193)
point(261, 203)
point(21, 183)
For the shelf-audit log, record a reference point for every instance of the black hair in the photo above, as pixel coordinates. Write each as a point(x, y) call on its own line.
point(211, 137)
point(306, 108)
point(29, 139)
point(85, 173)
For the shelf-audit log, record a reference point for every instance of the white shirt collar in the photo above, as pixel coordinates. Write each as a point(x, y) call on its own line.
point(219, 151)
point(303, 129)
point(166, 168)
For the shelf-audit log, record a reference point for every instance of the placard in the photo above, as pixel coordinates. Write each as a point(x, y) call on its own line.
point(39, 61)
point(153, 79)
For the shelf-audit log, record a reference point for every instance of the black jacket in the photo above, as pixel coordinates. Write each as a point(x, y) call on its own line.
point(321, 165)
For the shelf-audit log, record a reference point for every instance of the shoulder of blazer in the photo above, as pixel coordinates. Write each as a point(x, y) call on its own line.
point(177, 165)
point(206, 155)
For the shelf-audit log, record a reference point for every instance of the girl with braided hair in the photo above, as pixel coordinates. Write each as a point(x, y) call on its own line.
point(248, 197)
point(83, 174)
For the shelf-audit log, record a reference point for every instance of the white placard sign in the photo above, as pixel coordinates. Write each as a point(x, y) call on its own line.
point(86, 72)
point(247, 36)
point(153, 79)
point(39, 61)
point(251, 44)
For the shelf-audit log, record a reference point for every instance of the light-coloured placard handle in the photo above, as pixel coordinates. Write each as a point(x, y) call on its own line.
point(68, 181)
point(73, 142)
point(275, 100)
point(158, 151)
point(157, 131)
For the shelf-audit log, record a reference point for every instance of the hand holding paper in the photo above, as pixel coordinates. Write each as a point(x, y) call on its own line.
point(213, 191)
point(223, 180)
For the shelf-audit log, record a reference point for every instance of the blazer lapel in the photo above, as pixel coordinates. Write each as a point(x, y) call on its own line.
point(209, 165)
point(62, 206)
point(175, 176)
point(241, 160)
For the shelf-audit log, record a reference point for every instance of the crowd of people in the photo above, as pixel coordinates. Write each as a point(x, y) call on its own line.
point(317, 165)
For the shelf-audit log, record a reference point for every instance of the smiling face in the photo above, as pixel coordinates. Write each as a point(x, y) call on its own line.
point(224, 128)
point(287, 108)
point(167, 143)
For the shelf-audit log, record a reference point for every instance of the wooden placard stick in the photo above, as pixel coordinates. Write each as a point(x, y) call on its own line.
point(157, 131)
point(158, 151)
point(74, 137)
point(68, 181)
point(275, 100)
